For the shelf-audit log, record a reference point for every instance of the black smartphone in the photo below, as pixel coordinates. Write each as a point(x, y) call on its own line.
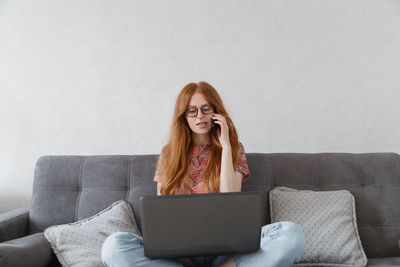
point(214, 127)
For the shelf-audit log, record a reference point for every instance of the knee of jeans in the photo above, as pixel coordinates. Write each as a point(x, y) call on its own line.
point(296, 237)
point(111, 245)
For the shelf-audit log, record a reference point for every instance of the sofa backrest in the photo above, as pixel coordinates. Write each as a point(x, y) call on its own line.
point(71, 188)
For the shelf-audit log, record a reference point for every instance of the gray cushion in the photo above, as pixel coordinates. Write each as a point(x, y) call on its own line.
point(32, 250)
point(328, 220)
point(79, 243)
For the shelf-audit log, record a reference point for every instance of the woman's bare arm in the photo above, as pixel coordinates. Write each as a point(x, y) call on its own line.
point(231, 180)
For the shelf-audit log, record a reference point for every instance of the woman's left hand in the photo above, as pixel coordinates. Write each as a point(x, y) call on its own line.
point(223, 130)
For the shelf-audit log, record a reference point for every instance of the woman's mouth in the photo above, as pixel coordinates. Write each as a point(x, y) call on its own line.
point(202, 124)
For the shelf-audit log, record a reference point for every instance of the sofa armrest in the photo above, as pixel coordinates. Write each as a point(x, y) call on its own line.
point(31, 250)
point(13, 224)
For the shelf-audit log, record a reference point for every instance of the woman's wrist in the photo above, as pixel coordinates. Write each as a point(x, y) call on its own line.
point(226, 147)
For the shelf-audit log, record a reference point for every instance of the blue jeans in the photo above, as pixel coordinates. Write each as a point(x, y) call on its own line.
point(281, 244)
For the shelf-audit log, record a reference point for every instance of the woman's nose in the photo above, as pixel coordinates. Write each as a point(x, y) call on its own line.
point(200, 114)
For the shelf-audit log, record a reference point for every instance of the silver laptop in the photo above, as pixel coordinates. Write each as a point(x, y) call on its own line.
point(202, 224)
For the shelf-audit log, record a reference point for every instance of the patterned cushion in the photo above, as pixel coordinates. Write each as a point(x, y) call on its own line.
point(328, 220)
point(79, 243)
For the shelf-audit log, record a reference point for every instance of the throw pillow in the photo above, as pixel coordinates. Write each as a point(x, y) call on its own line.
point(79, 243)
point(328, 219)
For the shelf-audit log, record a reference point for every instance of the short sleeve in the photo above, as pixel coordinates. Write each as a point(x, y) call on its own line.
point(157, 175)
point(242, 163)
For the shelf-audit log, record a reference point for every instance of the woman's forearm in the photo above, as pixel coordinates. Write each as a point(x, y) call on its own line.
point(230, 181)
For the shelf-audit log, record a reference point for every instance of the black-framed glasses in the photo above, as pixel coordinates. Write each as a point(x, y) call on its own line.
point(206, 109)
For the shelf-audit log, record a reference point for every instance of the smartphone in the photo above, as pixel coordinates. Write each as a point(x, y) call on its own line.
point(214, 128)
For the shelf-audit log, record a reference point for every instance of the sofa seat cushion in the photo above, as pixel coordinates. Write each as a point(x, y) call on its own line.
point(31, 250)
point(79, 243)
point(384, 262)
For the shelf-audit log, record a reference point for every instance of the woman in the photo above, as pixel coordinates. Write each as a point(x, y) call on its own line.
point(204, 155)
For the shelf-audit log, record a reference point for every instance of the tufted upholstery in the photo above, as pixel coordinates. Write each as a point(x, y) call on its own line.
point(70, 188)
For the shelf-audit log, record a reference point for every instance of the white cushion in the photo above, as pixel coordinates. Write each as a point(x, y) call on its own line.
point(79, 243)
point(328, 219)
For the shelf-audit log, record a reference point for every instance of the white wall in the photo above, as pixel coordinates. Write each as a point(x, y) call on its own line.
point(101, 77)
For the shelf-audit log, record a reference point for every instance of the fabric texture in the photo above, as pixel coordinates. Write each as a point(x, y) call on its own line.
point(79, 243)
point(198, 165)
point(328, 220)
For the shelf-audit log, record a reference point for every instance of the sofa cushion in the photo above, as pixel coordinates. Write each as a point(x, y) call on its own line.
point(384, 262)
point(79, 243)
point(328, 220)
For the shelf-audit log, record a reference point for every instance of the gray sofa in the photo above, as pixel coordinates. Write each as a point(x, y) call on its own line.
point(70, 188)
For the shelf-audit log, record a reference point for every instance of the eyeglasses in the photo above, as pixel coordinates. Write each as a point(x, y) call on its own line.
point(192, 112)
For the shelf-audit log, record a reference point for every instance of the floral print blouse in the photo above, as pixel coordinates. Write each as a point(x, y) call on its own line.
point(198, 164)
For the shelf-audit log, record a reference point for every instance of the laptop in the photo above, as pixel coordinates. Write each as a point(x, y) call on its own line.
point(202, 224)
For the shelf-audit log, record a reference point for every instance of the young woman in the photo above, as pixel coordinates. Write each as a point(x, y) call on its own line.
point(204, 155)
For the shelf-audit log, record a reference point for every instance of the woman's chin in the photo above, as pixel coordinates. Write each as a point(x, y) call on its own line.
point(202, 131)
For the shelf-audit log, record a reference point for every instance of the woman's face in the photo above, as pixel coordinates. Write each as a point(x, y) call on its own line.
point(200, 124)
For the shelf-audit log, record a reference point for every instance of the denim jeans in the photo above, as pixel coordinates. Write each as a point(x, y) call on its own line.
point(281, 244)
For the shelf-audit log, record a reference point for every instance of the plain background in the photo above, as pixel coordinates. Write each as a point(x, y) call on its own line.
point(101, 77)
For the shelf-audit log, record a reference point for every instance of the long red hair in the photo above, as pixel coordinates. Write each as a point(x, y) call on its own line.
point(177, 154)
